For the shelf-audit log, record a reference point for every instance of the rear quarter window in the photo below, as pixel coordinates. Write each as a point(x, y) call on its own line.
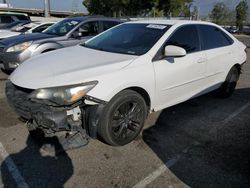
point(213, 37)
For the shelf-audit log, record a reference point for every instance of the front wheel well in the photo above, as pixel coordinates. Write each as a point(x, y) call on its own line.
point(143, 93)
point(238, 66)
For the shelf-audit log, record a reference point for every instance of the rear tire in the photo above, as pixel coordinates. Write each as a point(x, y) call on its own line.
point(123, 118)
point(228, 87)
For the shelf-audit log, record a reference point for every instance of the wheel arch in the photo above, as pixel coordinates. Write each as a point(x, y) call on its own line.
point(143, 93)
point(238, 66)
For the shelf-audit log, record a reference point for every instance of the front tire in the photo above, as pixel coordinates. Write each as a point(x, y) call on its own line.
point(123, 118)
point(228, 87)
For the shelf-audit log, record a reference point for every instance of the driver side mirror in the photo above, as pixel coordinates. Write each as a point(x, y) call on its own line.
point(174, 51)
point(76, 34)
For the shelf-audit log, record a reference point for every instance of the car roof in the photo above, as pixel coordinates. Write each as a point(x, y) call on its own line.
point(170, 22)
point(83, 18)
point(13, 13)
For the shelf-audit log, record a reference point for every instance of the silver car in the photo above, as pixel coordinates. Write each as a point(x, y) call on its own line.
point(68, 32)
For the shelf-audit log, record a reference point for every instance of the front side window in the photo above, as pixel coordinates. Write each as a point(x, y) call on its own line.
point(89, 29)
point(134, 39)
point(186, 37)
point(62, 28)
point(213, 37)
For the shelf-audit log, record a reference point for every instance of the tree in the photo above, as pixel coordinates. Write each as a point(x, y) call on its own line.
point(118, 8)
point(219, 13)
point(241, 14)
point(175, 7)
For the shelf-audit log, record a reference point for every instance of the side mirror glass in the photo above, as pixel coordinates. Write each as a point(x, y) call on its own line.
point(174, 51)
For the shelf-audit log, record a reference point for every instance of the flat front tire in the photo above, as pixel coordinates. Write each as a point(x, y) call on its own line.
point(123, 118)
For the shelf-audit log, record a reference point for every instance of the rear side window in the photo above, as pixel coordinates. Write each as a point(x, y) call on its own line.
point(89, 29)
point(213, 37)
point(108, 24)
point(186, 37)
point(22, 17)
point(6, 19)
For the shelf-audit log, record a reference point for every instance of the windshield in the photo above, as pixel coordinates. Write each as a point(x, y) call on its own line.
point(62, 28)
point(134, 39)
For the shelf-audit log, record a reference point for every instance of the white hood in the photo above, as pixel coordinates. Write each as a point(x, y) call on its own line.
point(67, 66)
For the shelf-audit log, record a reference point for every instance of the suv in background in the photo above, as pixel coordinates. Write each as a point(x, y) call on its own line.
point(68, 32)
point(10, 17)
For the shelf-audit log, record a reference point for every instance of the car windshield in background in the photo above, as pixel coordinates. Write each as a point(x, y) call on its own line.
point(62, 28)
point(133, 39)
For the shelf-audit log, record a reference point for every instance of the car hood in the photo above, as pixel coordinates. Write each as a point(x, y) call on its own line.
point(25, 38)
point(5, 34)
point(67, 66)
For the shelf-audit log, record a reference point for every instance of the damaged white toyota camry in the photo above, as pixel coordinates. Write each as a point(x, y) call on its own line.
point(106, 87)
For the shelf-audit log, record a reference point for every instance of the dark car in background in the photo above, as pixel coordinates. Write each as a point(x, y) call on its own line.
point(11, 17)
point(68, 32)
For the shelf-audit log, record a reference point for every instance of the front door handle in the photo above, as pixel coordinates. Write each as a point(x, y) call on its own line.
point(201, 60)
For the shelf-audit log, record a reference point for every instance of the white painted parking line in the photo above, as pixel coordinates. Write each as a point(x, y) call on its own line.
point(13, 170)
point(230, 118)
point(151, 177)
point(154, 175)
point(236, 113)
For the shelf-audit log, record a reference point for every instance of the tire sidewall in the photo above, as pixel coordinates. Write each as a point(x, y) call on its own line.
point(104, 126)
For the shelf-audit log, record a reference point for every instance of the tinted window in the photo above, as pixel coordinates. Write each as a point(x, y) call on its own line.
point(108, 24)
point(41, 28)
point(186, 37)
point(22, 17)
point(134, 39)
point(213, 37)
point(89, 29)
point(6, 19)
point(62, 28)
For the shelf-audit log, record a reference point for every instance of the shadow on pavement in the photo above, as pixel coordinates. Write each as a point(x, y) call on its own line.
point(38, 168)
point(211, 153)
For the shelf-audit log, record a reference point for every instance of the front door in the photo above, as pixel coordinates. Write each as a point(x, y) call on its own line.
point(180, 78)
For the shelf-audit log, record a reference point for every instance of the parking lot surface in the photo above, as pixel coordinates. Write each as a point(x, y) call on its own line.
point(204, 142)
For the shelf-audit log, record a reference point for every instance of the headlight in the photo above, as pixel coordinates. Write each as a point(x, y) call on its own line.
point(65, 95)
point(19, 47)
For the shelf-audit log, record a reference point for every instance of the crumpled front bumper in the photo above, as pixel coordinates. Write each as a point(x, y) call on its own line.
point(51, 119)
point(56, 119)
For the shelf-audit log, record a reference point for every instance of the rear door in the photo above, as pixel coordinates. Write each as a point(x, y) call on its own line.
point(180, 78)
point(219, 53)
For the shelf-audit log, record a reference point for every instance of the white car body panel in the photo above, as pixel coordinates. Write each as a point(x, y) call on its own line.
point(167, 82)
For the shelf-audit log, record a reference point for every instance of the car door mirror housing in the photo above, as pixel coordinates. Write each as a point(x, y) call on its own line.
point(76, 34)
point(174, 51)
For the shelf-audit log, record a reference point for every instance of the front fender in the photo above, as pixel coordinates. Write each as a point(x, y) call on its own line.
point(46, 46)
point(140, 75)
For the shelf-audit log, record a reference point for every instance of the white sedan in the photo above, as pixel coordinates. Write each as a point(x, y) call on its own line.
point(106, 87)
point(34, 27)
